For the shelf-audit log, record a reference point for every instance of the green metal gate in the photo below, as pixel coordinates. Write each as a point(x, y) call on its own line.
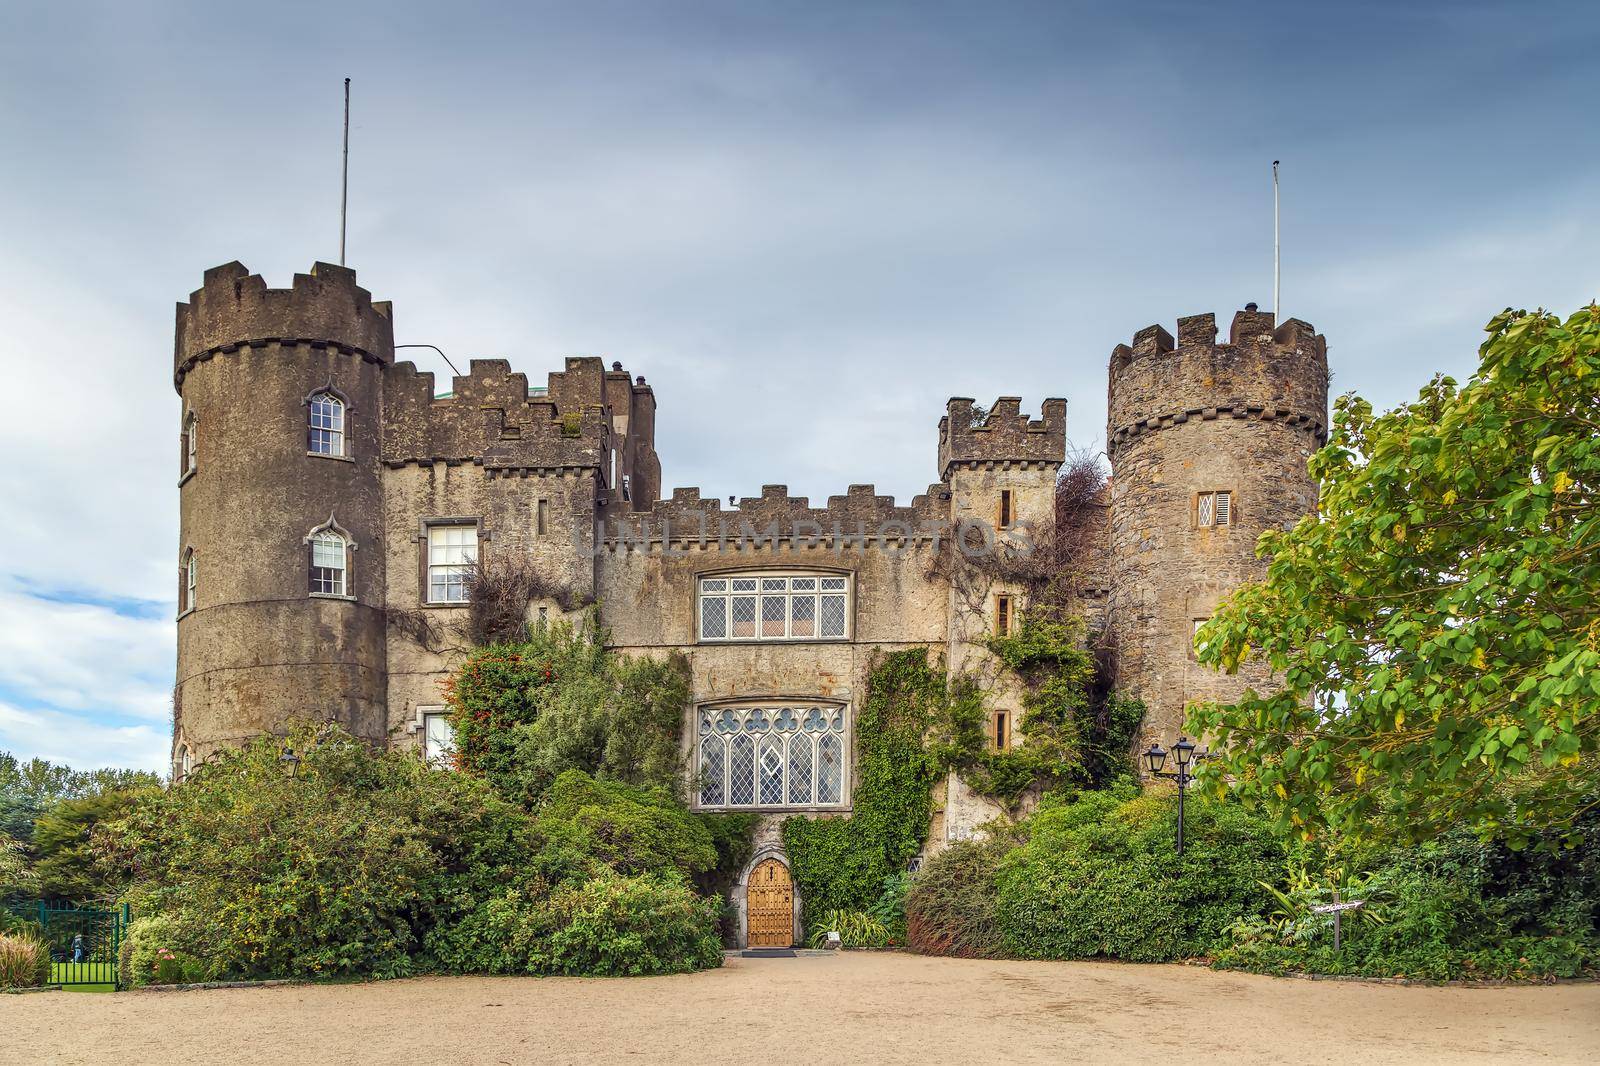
point(85, 942)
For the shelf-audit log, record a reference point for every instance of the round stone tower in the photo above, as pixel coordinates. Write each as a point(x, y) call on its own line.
point(279, 471)
point(1208, 445)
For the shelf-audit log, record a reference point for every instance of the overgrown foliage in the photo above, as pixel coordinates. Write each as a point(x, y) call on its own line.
point(856, 929)
point(1436, 627)
point(950, 909)
point(1451, 908)
point(372, 864)
point(525, 712)
point(500, 589)
point(1097, 876)
point(841, 863)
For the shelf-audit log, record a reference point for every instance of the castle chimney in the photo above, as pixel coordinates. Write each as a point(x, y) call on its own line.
point(1250, 307)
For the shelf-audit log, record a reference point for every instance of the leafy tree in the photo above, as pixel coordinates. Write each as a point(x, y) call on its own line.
point(66, 863)
point(1436, 627)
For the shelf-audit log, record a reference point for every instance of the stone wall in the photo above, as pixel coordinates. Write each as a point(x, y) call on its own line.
point(1187, 418)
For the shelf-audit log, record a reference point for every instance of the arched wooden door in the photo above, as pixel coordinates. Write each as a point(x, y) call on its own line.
point(769, 906)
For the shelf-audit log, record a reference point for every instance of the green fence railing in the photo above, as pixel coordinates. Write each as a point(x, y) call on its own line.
point(85, 942)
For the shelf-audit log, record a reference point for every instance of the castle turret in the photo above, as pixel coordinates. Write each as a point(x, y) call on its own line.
point(281, 553)
point(1208, 445)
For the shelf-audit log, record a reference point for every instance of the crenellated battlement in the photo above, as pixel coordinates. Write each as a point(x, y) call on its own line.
point(491, 418)
point(326, 307)
point(1003, 435)
point(859, 514)
point(1264, 370)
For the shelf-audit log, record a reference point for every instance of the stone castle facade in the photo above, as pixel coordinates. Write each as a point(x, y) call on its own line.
point(332, 506)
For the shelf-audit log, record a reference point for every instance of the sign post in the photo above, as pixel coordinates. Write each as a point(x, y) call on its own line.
point(1337, 909)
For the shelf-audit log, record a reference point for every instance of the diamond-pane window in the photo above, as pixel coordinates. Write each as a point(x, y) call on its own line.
point(742, 771)
point(830, 772)
point(800, 756)
point(744, 616)
point(773, 611)
point(772, 607)
point(714, 617)
point(771, 757)
point(771, 771)
point(833, 616)
point(713, 769)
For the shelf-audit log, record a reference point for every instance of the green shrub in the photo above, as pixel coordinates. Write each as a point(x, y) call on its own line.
point(150, 956)
point(950, 907)
point(607, 926)
point(631, 830)
point(1098, 876)
point(526, 712)
point(335, 871)
point(24, 961)
point(1454, 908)
point(856, 929)
point(890, 908)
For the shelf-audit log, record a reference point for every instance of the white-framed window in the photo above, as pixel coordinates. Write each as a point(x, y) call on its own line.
point(1213, 509)
point(438, 737)
point(774, 606)
point(329, 563)
point(325, 425)
point(191, 452)
point(186, 583)
point(772, 755)
point(452, 551)
point(185, 761)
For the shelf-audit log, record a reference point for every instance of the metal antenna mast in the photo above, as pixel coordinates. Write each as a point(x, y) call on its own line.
point(1276, 274)
point(344, 181)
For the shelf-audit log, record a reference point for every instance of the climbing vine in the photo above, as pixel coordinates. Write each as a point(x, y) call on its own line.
point(915, 725)
point(842, 863)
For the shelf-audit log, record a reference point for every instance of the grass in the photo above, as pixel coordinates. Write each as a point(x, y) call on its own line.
point(98, 976)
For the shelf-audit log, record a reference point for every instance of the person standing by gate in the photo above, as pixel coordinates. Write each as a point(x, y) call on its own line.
point(77, 947)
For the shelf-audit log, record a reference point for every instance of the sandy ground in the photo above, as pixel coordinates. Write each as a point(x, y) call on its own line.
point(871, 1007)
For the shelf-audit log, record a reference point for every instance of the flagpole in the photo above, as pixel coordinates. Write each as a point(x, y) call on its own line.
point(1276, 270)
point(344, 181)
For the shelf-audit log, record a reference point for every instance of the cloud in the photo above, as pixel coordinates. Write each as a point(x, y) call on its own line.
point(82, 741)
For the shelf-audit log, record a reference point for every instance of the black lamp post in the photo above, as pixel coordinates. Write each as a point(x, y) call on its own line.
point(289, 761)
point(1185, 756)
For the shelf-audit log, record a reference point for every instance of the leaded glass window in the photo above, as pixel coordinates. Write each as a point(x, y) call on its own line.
point(774, 607)
point(772, 756)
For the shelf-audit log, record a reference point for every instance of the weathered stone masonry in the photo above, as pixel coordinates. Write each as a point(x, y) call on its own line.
point(564, 477)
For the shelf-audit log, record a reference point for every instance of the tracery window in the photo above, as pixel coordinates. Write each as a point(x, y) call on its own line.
point(326, 425)
point(772, 756)
point(774, 606)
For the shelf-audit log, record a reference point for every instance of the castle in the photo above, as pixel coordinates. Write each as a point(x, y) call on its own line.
point(333, 506)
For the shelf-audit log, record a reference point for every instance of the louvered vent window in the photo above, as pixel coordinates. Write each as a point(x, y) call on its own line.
point(1214, 509)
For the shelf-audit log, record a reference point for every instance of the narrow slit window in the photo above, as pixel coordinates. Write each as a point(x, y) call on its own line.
point(191, 452)
point(1001, 737)
point(541, 518)
point(1002, 615)
point(1007, 509)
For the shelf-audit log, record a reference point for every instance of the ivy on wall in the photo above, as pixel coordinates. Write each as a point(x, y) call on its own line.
point(915, 725)
point(841, 863)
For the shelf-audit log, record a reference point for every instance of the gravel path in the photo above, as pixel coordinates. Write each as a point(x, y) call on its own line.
point(858, 1007)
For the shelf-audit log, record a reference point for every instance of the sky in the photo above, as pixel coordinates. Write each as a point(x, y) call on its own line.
point(807, 225)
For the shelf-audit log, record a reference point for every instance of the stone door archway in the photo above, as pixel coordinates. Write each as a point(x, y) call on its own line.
point(768, 902)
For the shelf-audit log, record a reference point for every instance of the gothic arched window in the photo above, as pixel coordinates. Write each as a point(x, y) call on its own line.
point(326, 424)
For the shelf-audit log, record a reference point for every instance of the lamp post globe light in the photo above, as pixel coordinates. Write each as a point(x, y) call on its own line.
point(289, 761)
point(1184, 755)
